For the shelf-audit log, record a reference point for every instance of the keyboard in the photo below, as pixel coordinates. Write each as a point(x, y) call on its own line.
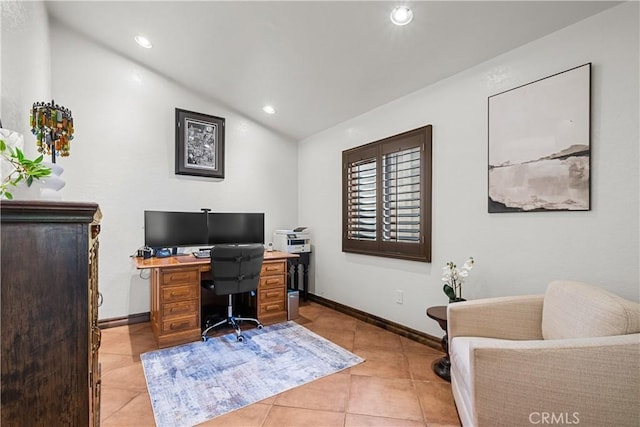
point(202, 254)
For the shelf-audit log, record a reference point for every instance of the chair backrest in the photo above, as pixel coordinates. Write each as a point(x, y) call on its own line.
point(236, 268)
point(578, 310)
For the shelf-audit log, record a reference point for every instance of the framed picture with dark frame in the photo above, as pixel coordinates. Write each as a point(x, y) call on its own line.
point(539, 145)
point(199, 144)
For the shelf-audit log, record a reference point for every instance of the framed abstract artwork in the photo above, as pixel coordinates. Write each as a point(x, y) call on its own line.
point(540, 146)
point(199, 144)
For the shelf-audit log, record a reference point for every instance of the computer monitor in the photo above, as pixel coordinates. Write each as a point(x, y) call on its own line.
point(236, 228)
point(173, 229)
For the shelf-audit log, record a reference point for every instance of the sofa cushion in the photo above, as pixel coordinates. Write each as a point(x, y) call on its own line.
point(462, 373)
point(462, 379)
point(577, 310)
point(460, 356)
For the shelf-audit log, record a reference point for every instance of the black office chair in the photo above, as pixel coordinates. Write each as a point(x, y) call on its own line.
point(235, 269)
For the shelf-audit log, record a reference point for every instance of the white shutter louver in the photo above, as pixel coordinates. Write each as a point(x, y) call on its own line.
point(401, 196)
point(361, 200)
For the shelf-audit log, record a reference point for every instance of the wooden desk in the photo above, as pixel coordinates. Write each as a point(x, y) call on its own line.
point(175, 294)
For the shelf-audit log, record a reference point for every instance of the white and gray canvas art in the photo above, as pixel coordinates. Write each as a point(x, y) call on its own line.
point(539, 145)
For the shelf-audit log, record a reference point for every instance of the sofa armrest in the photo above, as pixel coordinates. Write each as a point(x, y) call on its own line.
point(511, 318)
point(590, 381)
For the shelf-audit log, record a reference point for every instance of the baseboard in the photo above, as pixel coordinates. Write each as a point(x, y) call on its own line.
point(123, 321)
point(390, 326)
point(396, 328)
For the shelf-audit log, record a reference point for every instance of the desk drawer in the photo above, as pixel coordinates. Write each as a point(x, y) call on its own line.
point(174, 276)
point(271, 307)
point(178, 324)
point(271, 295)
point(271, 268)
point(272, 281)
point(179, 293)
point(181, 308)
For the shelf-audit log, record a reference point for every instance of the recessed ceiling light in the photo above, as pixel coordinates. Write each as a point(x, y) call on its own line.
point(401, 15)
point(144, 42)
point(269, 109)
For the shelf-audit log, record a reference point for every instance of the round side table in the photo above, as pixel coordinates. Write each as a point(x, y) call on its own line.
point(441, 366)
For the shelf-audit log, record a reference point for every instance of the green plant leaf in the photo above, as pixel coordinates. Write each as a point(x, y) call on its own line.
point(448, 290)
point(41, 173)
point(25, 169)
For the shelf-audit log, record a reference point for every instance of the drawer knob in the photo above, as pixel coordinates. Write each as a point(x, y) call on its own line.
point(180, 276)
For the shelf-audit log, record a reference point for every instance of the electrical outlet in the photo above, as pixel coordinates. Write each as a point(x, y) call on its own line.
point(399, 296)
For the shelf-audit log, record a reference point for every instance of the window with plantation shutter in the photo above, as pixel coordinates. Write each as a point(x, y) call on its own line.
point(387, 197)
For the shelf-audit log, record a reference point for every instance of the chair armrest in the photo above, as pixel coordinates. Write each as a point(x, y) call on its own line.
point(510, 318)
point(588, 381)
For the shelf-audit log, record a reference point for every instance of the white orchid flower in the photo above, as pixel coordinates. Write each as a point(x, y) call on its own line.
point(454, 277)
point(468, 264)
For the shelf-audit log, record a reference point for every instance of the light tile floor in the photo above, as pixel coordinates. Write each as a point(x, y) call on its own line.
point(395, 386)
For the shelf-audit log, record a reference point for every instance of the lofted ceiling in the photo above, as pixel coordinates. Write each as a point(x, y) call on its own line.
point(318, 63)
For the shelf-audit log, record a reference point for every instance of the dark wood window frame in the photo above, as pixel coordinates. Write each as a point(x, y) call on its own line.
point(385, 213)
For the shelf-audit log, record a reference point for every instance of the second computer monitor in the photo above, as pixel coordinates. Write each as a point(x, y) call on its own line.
point(171, 229)
point(227, 227)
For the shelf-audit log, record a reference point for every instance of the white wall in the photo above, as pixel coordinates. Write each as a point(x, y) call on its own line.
point(24, 63)
point(122, 157)
point(516, 253)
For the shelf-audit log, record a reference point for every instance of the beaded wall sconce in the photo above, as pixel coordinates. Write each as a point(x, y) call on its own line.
point(52, 124)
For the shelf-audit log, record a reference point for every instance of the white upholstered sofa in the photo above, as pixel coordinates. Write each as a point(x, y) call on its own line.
point(570, 356)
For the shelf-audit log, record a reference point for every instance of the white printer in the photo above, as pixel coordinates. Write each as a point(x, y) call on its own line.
point(293, 241)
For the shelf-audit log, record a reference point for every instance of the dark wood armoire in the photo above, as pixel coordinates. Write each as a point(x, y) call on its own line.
point(49, 313)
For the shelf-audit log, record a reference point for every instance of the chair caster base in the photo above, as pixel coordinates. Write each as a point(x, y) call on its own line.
point(234, 323)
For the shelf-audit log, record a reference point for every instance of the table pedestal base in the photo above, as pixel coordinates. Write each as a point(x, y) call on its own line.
point(442, 368)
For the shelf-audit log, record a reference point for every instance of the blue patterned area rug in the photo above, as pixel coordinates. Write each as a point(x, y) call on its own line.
point(195, 382)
